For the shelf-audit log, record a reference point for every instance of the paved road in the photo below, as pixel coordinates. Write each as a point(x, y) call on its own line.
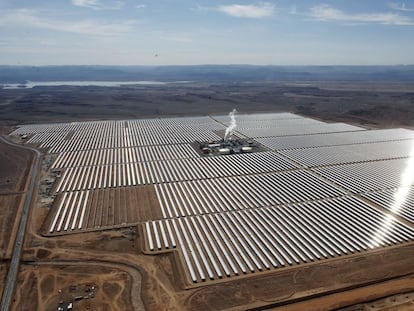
point(14, 265)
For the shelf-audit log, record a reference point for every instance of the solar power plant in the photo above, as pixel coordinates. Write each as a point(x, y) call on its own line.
point(315, 191)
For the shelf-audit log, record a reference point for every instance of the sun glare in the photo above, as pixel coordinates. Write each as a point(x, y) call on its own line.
point(400, 196)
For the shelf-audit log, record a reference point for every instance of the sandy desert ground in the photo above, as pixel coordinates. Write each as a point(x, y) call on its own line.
point(373, 104)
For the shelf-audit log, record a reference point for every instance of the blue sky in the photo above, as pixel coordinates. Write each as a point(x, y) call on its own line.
point(174, 32)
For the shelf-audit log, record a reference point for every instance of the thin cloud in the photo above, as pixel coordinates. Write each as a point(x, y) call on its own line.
point(30, 18)
point(260, 10)
point(325, 12)
point(180, 39)
point(98, 4)
point(400, 7)
point(203, 9)
point(140, 6)
point(87, 3)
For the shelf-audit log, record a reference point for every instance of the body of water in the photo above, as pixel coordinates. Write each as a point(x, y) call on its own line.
point(31, 84)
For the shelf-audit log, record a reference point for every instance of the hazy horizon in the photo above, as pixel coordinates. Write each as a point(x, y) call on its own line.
point(207, 64)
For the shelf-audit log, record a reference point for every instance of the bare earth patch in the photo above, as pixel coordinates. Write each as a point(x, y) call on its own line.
point(43, 287)
point(3, 275)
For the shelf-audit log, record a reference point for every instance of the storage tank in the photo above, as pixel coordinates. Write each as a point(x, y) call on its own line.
point(206, 150)
point(224, 151)
point(214, 145)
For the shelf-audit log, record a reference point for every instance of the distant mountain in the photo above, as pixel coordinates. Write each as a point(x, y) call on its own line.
point(227, 73)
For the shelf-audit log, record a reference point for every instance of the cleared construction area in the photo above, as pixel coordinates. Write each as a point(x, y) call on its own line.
point(314, 191)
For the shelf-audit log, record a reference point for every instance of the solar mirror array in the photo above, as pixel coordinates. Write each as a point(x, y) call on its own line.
point(315, 191)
